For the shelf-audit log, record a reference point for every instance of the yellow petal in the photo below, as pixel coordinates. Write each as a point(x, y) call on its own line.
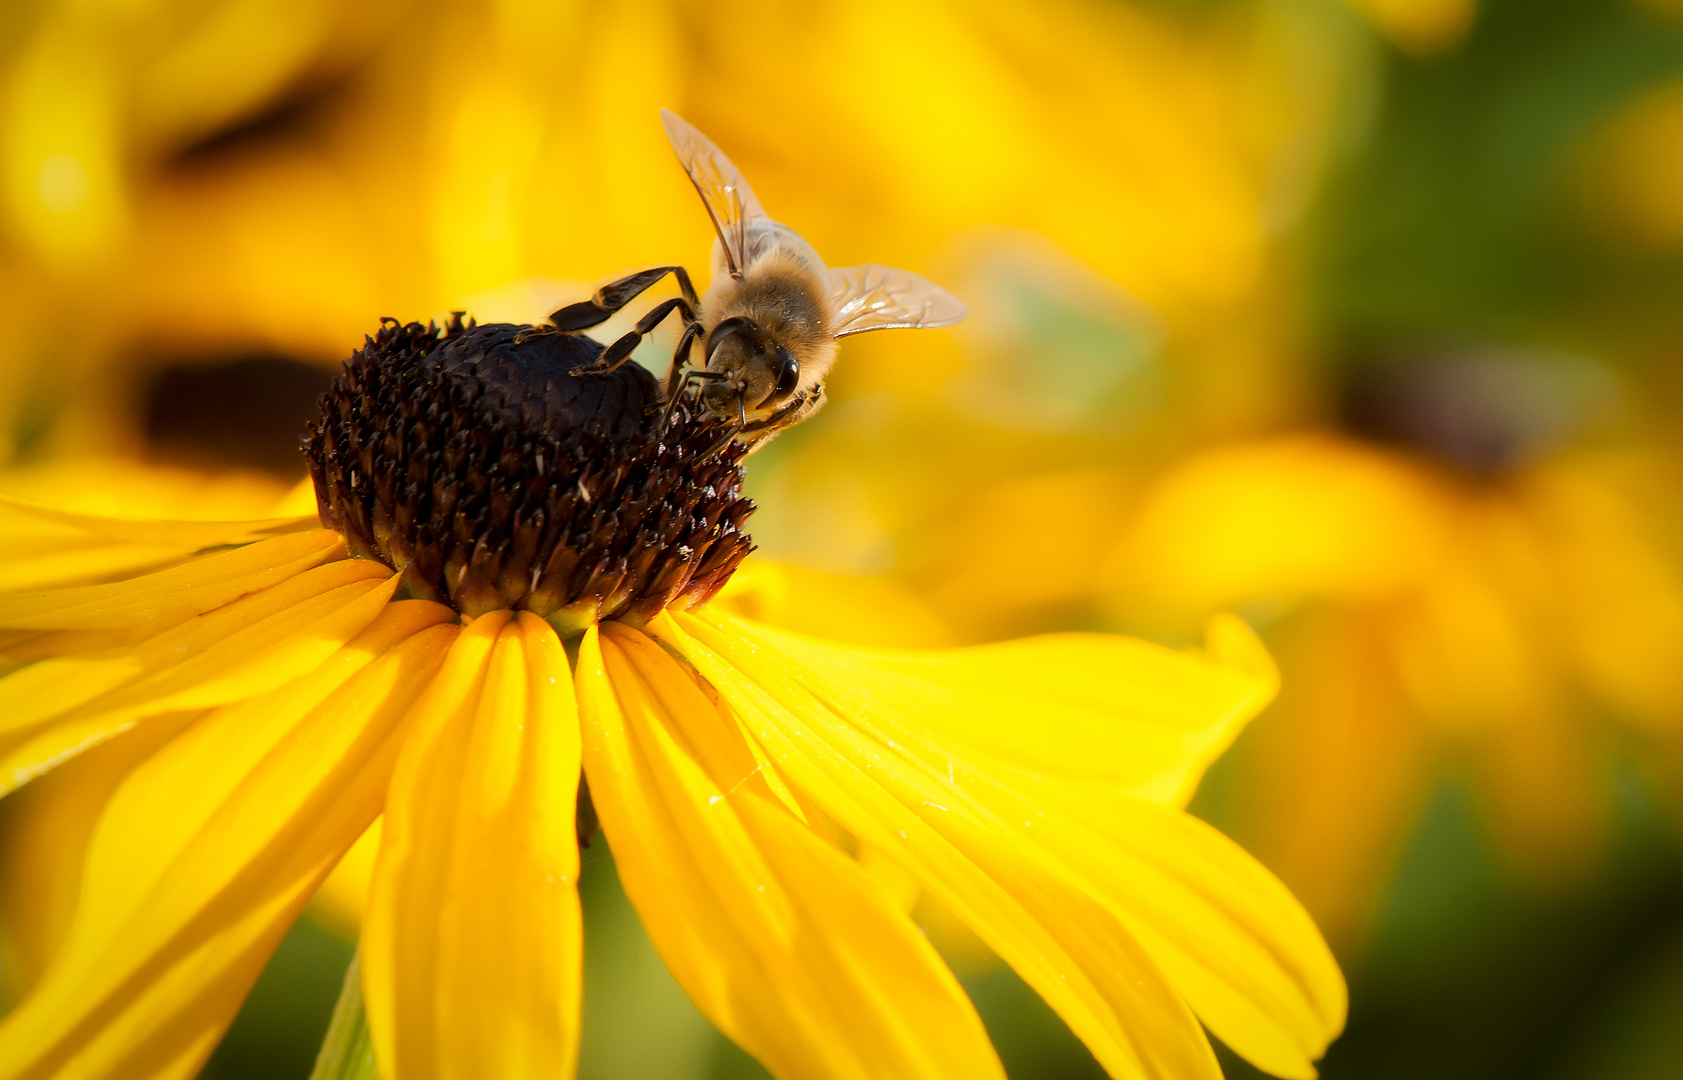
point(342, 900)
point(1231, 939)
point(161, 600)
point(1228, 935)
point(211, 660)
point(44, 831)
point(31, 645)
point(25, 517)
point(1032, 912)
point(472, 948)
point(842, 607)
point(75, 674)
point(114, 486)
point(54, 563)
point(100, 537)
point(207, 851)
point(1106, 710)
point(56, 686)
point(779, 938)
point(400, 1011)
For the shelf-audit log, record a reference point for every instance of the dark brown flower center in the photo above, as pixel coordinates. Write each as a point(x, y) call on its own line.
point(492, 477)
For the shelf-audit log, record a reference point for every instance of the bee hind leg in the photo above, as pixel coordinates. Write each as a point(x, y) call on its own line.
point(615, 295)
point(620, 351)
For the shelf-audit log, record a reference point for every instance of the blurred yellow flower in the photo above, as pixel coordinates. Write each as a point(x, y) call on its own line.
point(1422, 27)
point(1434, 615)
point(123, 487)
point(311, 166)
point(1635, 172)
point(94, 93)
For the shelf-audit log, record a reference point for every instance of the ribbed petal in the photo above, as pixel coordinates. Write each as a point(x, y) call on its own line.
point(208, 850)
point(44, 832)
point(1040, 918)
point(158, 601)
point(57, 708)
point(472, 948)
point(25, 520)
point(77, 560)
point(45, 547)
point(59, 685)
point(1232, 939)
point(779, 938)
point(82, 486)
point(1120, 714)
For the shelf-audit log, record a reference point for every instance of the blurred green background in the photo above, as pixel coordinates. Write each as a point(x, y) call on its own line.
point(1362, 319)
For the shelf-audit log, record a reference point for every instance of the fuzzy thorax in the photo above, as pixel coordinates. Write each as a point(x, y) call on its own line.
point(783, 295)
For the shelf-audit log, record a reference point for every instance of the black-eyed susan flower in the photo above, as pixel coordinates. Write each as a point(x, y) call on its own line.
point(506, 587)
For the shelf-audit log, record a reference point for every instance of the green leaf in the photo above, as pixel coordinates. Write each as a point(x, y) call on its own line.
point(348, 1052)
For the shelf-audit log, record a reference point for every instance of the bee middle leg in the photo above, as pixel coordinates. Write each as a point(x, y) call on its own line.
point(676, 379)
point(677, 386)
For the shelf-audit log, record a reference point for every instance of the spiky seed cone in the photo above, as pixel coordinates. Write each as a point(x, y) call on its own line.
point(492, 477)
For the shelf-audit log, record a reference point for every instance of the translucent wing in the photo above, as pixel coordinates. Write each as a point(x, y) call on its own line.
point(729, 200)
point(875, 297)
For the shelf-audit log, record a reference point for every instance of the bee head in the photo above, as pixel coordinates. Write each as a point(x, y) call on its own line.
point(756, 372)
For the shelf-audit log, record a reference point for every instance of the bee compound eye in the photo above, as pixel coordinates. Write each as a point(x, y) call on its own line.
point(788, 371)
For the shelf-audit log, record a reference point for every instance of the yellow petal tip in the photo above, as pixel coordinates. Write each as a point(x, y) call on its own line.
point(1230, 641)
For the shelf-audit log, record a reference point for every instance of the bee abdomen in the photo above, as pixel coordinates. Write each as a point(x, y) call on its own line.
point(531, 384)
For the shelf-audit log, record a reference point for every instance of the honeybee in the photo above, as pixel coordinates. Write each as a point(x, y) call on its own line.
point(768, 325)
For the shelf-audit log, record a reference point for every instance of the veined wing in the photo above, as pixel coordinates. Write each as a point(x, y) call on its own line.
point(875, 297)
point(729, 200)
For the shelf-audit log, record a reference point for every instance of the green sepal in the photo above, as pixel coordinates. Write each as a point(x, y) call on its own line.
point(347, 1053)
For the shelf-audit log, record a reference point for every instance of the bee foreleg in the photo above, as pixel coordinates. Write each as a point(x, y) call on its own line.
point(799, 408)
point(675, 378)
point(615, 295)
